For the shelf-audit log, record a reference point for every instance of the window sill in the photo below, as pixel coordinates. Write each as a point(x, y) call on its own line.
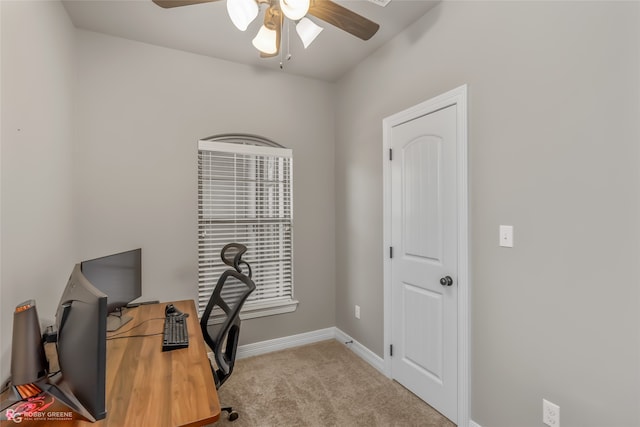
point(251, 311)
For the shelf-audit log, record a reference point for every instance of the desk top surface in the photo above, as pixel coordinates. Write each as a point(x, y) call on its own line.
point(148, 387)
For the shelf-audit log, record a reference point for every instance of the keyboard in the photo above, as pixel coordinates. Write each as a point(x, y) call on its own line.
point(175, 332)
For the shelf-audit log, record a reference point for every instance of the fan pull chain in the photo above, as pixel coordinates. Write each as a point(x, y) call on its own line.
point(288, 49)
point(288, 41)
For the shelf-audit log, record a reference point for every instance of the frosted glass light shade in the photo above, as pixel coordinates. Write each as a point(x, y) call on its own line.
point(308, 31)
point(242, 12)
point(265, 41)
point(294, 9)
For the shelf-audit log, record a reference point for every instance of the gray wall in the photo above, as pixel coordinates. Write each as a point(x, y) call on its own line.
point(140, 112)
point(37, 232)
point(553, 139)
point(554, 105)
point(99, 146)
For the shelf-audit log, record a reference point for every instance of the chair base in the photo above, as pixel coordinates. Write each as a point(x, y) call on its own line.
point(233, 415)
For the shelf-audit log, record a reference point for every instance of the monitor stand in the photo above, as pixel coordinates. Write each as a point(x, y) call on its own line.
point(116, 320)
point(56, 389)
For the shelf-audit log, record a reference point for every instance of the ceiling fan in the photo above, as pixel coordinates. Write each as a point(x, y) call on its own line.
point(243, 12)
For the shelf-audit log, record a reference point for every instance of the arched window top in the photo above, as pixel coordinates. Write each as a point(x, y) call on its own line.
point(245, 139)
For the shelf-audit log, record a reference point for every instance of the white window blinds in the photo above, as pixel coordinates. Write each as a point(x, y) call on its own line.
point(244, 196)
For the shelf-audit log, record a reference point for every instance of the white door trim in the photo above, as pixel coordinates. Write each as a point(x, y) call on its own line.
point(458, 97)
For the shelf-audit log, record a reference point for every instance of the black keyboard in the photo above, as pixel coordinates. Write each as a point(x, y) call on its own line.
point(175, 332)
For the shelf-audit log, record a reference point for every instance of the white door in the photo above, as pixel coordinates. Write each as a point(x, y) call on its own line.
point(425, 258)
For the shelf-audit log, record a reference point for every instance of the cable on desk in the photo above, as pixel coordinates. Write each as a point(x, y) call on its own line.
point(135, 326)
point(135, 336)
point(117, 312)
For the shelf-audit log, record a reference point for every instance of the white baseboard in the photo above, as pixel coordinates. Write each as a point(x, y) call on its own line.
point(473, 424)
point(362, 351)
point(283, 343)
point(264, 347)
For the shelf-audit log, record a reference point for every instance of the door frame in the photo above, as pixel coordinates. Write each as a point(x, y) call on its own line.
point(458, 97)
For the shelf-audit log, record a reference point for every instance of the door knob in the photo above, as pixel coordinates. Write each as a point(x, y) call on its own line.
point(446, 281)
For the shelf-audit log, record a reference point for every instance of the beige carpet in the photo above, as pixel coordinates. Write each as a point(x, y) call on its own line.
point(322, 384)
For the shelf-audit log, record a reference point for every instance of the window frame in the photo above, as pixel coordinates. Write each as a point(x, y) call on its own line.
point(246, 145)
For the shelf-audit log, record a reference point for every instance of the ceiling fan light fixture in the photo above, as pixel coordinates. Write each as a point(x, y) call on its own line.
point(265, 41)
point(308, 31)
point(242, 12)
point(294, 9)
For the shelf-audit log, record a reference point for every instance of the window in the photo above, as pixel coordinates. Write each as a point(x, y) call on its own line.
point(244, 196)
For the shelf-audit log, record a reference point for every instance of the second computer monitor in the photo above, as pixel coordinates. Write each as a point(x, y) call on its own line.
point(120, 277)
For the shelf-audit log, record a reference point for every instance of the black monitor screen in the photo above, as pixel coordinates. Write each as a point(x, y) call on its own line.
point(119, 276)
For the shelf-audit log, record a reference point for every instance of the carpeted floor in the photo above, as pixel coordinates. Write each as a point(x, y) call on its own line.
point(322, 384)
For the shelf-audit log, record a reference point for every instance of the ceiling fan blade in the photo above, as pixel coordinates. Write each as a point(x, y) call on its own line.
point(176, 3)
point(273, 19)
point(343, 18)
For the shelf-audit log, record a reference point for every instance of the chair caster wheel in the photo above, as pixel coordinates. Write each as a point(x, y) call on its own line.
point(233, 415)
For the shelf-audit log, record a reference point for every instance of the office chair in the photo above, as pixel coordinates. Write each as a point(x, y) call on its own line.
point(220, 322)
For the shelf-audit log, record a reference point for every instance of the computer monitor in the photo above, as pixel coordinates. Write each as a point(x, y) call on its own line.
point(81, 321)
point(120, 277)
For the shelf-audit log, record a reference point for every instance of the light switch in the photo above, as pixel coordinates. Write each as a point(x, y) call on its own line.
point(506, 236)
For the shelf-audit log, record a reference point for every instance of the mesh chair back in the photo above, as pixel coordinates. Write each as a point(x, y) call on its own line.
point(220, 322)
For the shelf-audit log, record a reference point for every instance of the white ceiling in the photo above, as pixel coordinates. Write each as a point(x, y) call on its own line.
point(207, 30)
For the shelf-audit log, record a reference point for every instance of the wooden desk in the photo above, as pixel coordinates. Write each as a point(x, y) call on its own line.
point(149, 387)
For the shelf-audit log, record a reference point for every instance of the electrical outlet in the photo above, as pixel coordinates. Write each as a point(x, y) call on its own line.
point(550, 413)
point(357, 311)
point(506, 236)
